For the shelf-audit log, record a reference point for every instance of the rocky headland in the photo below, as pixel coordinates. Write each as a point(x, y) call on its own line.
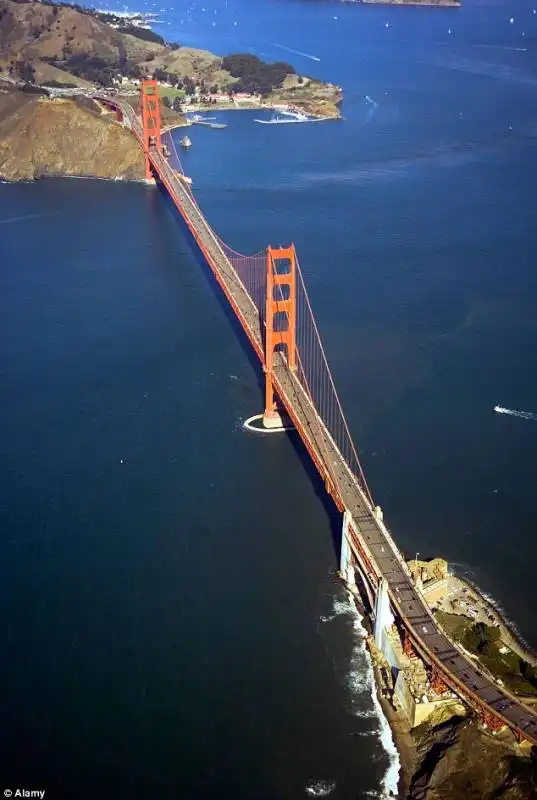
point(456, 759)
point(451, 755)
point(41, 137)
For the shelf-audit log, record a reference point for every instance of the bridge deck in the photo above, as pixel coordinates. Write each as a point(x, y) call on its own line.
point(457, 669)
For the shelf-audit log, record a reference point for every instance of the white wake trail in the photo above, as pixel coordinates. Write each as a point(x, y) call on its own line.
point(298, 52)
point(513, 413)
point(373, 107)
point(11, 220)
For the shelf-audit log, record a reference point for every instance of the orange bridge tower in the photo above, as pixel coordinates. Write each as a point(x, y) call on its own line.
point(280, 321)
point(150, 107)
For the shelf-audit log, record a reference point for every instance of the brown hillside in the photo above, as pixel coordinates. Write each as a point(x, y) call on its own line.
point(34, 30)
point(41, 137)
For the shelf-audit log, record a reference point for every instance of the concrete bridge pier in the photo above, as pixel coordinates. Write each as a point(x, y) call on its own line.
point(384, 618)
point(345, 560)
point(276, 421)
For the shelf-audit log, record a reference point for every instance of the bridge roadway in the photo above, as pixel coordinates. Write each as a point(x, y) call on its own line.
point(457, 670)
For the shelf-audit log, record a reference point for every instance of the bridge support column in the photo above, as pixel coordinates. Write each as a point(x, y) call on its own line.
point(383, 614)
point(345, 560)
point(280, 322)
point(150, 108)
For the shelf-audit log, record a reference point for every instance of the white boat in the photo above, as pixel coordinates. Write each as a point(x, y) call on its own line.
point(185, 142)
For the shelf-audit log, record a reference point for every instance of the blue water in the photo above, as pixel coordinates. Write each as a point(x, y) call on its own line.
point(165, 576)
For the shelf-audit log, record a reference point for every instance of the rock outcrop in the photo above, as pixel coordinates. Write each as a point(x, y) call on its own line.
point(44, 137)
point(456, 760)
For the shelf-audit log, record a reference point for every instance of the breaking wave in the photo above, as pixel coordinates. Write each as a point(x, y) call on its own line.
point(360, 680)
point(320, 788)
point(25, 217)
point(513, 413)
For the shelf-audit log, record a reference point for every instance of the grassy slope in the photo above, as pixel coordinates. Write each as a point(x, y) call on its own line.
point(506, 666)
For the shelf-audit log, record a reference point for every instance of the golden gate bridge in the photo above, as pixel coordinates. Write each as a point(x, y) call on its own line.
point(267, 292)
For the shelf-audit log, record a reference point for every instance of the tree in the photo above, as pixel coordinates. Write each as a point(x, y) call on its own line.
point(254, 76)
point(166, 101)
point(482, 639)
point(25, 71)
point(189, 85)
point(177, 106)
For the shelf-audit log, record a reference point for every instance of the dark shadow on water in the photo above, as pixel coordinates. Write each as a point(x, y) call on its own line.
point(219, 294)
point(332, 512)
point(334, 516)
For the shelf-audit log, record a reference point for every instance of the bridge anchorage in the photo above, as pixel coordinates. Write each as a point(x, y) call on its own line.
point(422, 666)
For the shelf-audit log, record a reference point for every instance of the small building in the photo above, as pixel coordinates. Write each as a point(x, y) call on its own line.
point(431, 578)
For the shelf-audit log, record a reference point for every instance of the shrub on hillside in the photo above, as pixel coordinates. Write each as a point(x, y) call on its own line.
point(254, 75)
point(141, 33)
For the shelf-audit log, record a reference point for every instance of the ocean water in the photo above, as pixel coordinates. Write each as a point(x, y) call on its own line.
point(170, 618)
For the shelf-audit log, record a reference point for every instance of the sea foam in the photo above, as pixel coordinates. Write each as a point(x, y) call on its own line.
point(361, 679)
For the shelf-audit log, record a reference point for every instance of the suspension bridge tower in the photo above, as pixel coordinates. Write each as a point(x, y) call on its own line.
point(150, 108)
point(280, 319)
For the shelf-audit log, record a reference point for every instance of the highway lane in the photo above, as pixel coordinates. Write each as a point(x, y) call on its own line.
point(459, 671)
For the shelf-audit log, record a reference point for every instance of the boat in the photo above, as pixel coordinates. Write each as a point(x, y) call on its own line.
point(185, 142)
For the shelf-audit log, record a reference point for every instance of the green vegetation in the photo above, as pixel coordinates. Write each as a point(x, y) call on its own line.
point(23, 70)
point(91, 68)
point(60, 85)
point(133, 30)
point(170, 94)
point(254, 75)
point(484, 642)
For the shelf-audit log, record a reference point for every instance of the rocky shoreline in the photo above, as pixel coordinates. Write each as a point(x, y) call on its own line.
point(452, 756)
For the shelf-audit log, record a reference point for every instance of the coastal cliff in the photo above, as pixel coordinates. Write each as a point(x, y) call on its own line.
point(43, 137)
point(456, 759)
point(451, 757)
